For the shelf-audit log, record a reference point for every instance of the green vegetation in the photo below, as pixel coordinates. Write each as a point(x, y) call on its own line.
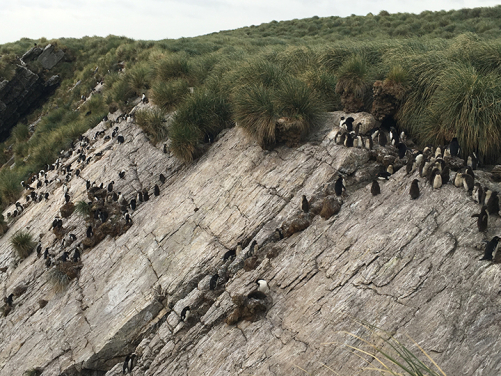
point(61, 276)
point(275, 80)
point(23, 244)
point(152, 122)
point(83, 208)
point(393, 358)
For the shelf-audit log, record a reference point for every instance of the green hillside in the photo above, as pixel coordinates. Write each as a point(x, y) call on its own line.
point(442, 67)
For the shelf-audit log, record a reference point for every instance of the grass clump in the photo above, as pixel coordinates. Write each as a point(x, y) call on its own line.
point(396, 359)
point(10, 185)
point(167, 95)
point(62, 274)
point(353, 84)
point(23, 244)
point(285, 114)
point(198, 121)
point(152, 122)
point(83, 208)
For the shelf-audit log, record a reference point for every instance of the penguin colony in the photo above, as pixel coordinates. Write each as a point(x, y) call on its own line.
point(43, 187)
point(433, 167)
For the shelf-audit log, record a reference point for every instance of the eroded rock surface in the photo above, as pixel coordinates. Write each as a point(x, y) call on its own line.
point(409, 267)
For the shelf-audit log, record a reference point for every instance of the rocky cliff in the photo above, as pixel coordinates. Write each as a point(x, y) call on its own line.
point(408, 266)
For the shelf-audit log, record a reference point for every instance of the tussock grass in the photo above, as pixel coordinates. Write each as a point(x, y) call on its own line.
point(10, 187)
point(393, 357)
point(153, 123)
point(167, 95)
point(199, 120)
point(83, 208)
point(61, 275)
point(23, 244)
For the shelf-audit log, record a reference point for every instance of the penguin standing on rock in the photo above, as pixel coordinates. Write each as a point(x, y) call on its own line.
point(490, 248)
point(262, 290)
point(414, 191)
point(375, 190)
point(493, 203)
point(156, 190)
point(482, 219)
point(454, 147)
point(185, 313)
point(213, 282)
point(305, 206)
point(339, 186)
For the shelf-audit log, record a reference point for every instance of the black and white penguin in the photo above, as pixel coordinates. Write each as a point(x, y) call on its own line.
point(458, 180)
point(120, 139)
point(121, 174)
point(349, 124)
point(132, 204)
point(39, 249)
point(385, 175)
point(76, 255)
point(478, 193)
point(490, 248)
point(493, 203)
point(185, 313)
point(305, 206)
point(446, 172)
point(472, 161)
point(414, 191)
point(482, 219)
point(140, 196)
point(156, 190)
point(90, 233)
point(375, 190)
point(67, 198)
point(146, 195)
point(64, 257)
point(382, 140)
point(87, 184)
point(454, 147)
point(162, 178)
point(213, 282)
point(9, 300)
point(394, 137)
point(437, 181)
point(339, 186)
point(126, 365)
point(127, 218)
point(110, 186)
point(468, 183)
point(46, 254)
point(262, 290)
point(341, 122)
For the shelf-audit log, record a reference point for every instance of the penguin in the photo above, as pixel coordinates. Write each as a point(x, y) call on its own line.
point(39, 249)
point(146, 195)
point(390, 170)
point(115, 196)
point(369, 144)
point(64, 257)
point(490, 248)
point(477, 193)
point(349, 124)
point(394, 136)
point(128, 219)
point(110, 186)
point(339, 186)
point(375, 190)
point(305, 206)
point(156, 190)
point(213, 282)
point(162, 178)
point(131, 362)
point(120, 139)
point(348, 141)
point(67, 198)
point(382, 140)
point(253, 248)
point(493, 203)
point(87, 184)
point(385, 175)
point(482, 219)
point(90, 233)
point(472, 161)
point(140, 196)
point(438, 152)
point(468, 183)
point(454, 147)
point(46, 254)
point(132, 204)
point(458, 180)
point(229, 254)
point(76, 255)
point(402, 149)
point(469, 171)
point(279, 234)
point(414, 191)
point(121, 174)
point(341, 122)
point(185, 313)
point(262, 290)
point(126, 364)
point(437, 182)
point(431, 177)
point(9, 300)
point(445, 175)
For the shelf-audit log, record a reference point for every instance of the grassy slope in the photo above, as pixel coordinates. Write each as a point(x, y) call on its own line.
point(448, 61)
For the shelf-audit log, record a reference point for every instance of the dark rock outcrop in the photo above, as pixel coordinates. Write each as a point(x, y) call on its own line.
point(22, 94)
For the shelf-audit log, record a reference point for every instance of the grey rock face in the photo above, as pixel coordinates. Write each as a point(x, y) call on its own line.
point(49, 58)
point(410, 267)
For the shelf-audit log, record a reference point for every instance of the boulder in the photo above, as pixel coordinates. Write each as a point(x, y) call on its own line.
point(50, 57)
